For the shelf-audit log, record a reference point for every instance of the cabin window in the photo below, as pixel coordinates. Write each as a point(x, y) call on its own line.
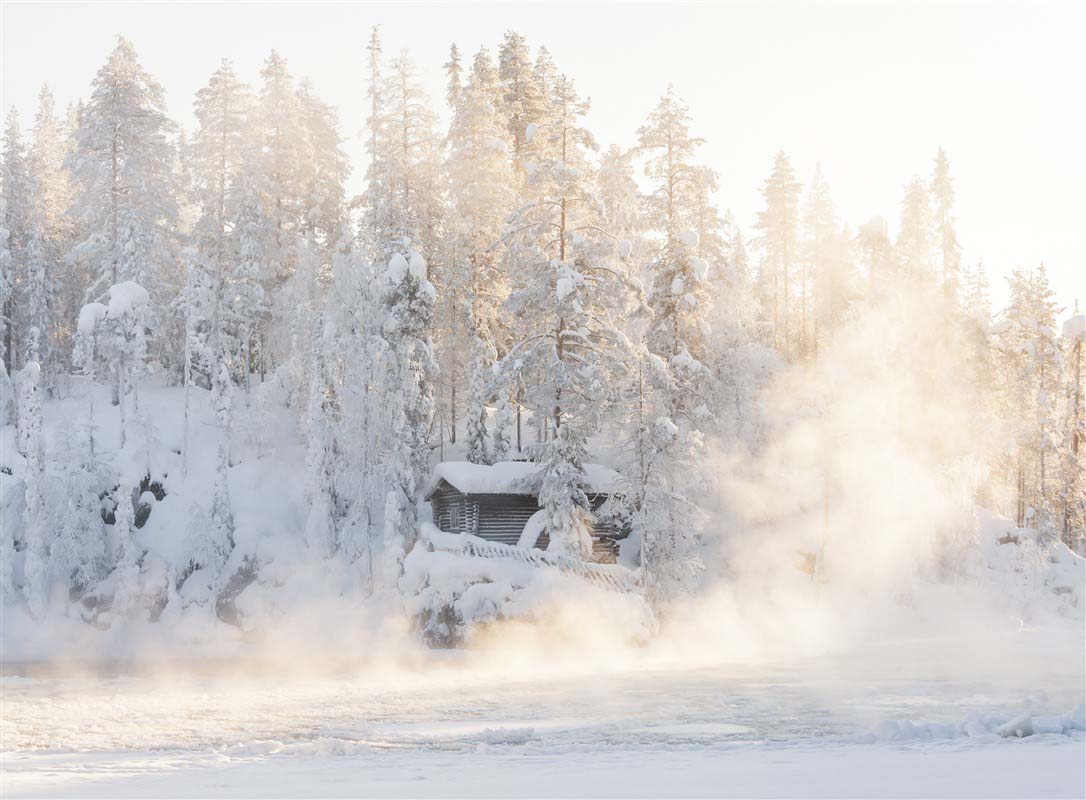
point(454, 513)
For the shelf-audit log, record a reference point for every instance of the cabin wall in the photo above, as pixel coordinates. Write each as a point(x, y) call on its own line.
point(502, 517)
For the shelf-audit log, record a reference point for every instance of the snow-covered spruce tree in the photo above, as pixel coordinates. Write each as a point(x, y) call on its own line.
point(364, 426)
point(679, 297)
point(946, 235)
point(1073, 436)
point(37, 342)
point(280, 152)
point(215, 542)
point(122, 167)
point(477, 440)
point(77, 556)
point(61, 286)
point(822, 293)
point(247, 306)
point(16, 212)
point(569, 295)
point(502, 436)
point(667, 516)
point(218, 152)
point(1027, 355)
point(322, 175)
point(409, 307)
point(322, 458)
point(473, 287)
point(521, 102)
point(37, 533)
point(779, 242)
point(916, 237)
point(877, 256)
point(379, 218)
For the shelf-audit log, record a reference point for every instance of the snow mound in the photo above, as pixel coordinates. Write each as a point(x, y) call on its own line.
point(125, 297)
point(453, 595)
point(513, 477)
point(89, 316)
point(689, 238)
point(977, 726)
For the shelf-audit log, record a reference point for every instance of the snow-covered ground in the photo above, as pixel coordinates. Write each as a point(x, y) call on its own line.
point(904, 720)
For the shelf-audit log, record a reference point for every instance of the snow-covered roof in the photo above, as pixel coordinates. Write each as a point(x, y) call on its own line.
point(512, 477)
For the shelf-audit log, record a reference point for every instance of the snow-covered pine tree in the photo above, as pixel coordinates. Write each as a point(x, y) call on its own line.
point(37, 533)
point(122, 168)
point(480, 189)
point(409, 307)
point(569, 295)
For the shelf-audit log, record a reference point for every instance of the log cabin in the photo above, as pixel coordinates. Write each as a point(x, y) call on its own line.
point(499, 502)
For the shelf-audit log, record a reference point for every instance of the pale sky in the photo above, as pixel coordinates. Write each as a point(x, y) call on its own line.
point(869, 89)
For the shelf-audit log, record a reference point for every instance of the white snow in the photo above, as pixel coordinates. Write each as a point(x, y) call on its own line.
point(89, 316)
point(689, 238)
point(533, 529)
point(125, 297)
point(625, 248)
point(513, 477)
point(530, 131)
point(700, 268)
point(397, 268)
point(417, 265)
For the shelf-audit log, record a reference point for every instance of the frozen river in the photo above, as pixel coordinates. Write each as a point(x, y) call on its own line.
point(894, 726)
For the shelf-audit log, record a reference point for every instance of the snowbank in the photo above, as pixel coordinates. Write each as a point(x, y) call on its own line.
point(452, 594)
point(991, 726)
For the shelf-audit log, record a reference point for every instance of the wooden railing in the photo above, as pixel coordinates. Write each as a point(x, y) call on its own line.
point(608, 576)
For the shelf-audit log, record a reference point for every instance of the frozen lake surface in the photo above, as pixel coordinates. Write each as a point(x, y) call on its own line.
point(892, 727)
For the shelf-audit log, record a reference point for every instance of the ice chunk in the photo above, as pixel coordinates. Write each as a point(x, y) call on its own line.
point(1019, 727)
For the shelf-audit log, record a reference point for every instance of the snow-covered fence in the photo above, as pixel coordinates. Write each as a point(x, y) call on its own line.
point(608, 576)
